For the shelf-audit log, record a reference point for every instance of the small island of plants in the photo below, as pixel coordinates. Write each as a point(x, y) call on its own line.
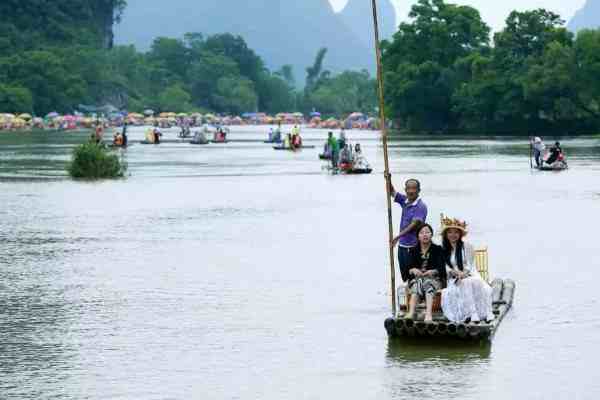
point(92, 161)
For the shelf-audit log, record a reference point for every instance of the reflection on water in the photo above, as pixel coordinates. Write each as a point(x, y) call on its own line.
point(417, 370)
point(237, 271)
point(439, 352)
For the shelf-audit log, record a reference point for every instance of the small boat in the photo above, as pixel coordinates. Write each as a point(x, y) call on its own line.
point(557, 166)
point(290, 149)
point(219, 141)
point(273, 141)
point(503, 292)
point(358, 171)
point(148, 142)
point(351, 169)
point(199, 142)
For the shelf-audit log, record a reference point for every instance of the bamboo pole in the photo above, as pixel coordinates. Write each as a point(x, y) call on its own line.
point(530, 153)
point(385, 156)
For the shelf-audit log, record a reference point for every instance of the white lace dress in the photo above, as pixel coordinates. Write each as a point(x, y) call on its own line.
point(470, 297)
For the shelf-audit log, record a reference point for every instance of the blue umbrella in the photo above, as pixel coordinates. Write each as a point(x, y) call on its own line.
point(315, 114)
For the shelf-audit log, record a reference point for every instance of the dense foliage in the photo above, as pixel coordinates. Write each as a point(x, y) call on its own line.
point(55, 56)
point(91, 161)
point(33, 24)
point(442, 73)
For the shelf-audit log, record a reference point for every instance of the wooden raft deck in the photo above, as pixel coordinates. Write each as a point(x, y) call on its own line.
point(502, 299)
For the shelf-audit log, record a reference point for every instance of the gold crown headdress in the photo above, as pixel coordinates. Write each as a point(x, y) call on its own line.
point(448, 223)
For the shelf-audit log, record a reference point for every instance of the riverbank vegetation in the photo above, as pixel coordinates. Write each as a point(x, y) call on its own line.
point(444, 71)
point(92, 161)
point(533, 76)
point(56, 59)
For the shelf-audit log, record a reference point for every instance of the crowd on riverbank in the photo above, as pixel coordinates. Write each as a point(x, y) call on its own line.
point(55, 121)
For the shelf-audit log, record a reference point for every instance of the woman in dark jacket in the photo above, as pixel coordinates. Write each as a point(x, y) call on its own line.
point(426, 272)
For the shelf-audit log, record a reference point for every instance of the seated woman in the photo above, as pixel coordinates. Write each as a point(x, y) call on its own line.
point(117, 139)
point(467, 298)
point(296, 141)
point(359, 161)
point(199, 137)
point(287, 142)
point(425, 272)
point(346, 154)
point(555, 154)
point(157, 135)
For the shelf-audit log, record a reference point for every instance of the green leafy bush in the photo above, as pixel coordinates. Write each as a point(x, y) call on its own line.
point(91, 161)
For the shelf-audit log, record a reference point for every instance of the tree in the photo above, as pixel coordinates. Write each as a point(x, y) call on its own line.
point(234, 47)
point(345, 93)
point(315, 72)
point(276, 94)
point(236, 95)
point(287, 73)
point(420, 79)
point(15, 99)
point(174, 98)
point(204, 73)
point(170, 54)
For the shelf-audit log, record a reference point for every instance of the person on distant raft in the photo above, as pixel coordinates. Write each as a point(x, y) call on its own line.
point(297, 141)
point(287, 142)
point(99, 134)
point(334, 149)
point(538, 151)
point(124, 133)
point(414, 215)
point(117, 139)
point(358, 160)
point(157, 134)
point(346, 157)
point(342, 138)
point(556, 154)
point(277, 136)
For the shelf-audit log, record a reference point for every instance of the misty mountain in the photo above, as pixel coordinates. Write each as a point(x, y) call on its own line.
point(358, 16)
point(587, 17)
point(281, 32)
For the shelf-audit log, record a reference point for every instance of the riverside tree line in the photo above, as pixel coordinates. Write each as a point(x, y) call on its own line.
point(55, 58)
point(443, 70)
point(445, 73)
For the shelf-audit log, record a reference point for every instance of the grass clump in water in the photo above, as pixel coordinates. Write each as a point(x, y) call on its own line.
point(91, 161)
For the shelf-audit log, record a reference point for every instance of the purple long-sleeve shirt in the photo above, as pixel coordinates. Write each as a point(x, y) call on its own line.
point(415, 211)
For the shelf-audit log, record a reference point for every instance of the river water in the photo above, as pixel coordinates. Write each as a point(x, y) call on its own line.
point(234, 271)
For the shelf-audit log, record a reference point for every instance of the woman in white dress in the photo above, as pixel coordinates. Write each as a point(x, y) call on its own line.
point(467, 298)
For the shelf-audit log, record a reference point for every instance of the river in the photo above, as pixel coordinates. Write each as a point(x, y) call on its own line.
point(233, 271)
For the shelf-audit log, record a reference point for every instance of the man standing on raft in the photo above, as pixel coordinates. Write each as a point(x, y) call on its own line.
point(414, 214)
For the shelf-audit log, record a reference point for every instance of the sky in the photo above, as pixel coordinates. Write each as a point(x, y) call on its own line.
point(493, 12)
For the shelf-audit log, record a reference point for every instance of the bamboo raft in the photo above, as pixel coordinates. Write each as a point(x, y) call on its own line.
point(551, 168)
point(503, 292)
point(290, 149)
